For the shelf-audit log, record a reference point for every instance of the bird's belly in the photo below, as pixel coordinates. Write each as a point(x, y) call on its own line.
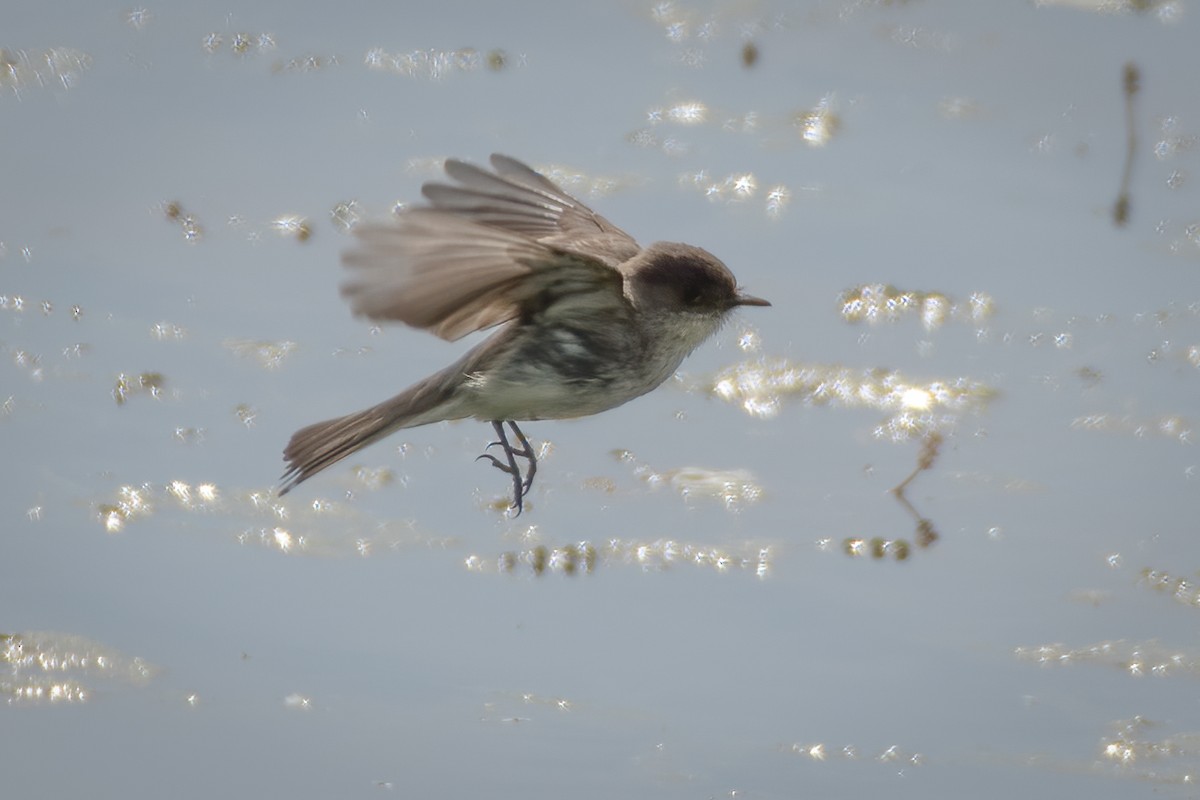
point(568, 371)
point(533, 399)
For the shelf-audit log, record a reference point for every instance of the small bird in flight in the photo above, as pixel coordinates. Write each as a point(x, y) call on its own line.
point(588, 319)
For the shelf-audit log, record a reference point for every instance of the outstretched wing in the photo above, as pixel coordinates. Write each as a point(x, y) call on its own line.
point(518, 199)
point(485, 251)
point(435, 270)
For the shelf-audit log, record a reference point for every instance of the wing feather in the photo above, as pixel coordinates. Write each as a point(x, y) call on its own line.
point(434, 270)
point(517, 198)
point(488, 246)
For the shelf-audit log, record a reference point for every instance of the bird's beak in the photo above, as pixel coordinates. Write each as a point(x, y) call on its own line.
point(750, 300)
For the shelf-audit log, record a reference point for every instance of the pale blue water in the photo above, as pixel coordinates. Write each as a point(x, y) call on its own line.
point(398, 639)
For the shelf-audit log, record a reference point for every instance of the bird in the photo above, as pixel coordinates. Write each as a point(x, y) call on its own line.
point(586, 319)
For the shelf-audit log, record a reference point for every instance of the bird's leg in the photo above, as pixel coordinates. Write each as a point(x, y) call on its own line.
point(521, 483)
point(525, 452)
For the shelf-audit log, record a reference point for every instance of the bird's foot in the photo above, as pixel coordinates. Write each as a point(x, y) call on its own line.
point(522, 483)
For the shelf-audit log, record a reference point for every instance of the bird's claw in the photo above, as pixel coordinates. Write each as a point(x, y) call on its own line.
point(507, 470)
point(521, 483)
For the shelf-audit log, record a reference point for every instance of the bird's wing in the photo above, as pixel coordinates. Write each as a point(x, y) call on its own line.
point(442, 271)
point(516, 198)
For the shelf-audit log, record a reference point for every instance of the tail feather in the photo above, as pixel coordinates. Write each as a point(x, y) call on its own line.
point(318, 446)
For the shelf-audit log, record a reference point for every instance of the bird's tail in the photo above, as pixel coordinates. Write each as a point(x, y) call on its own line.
point(318, 446)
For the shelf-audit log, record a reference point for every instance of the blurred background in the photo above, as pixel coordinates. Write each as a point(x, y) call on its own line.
point(979, 229)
